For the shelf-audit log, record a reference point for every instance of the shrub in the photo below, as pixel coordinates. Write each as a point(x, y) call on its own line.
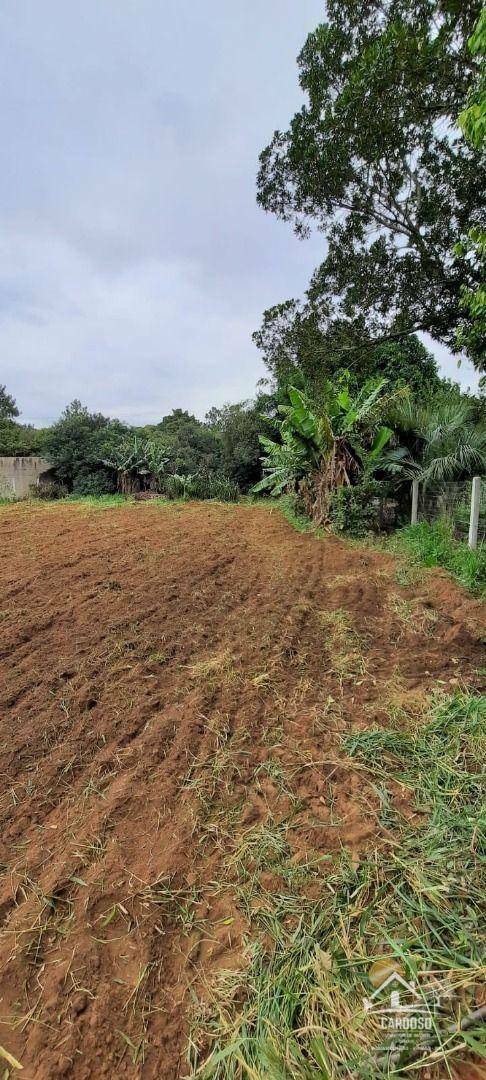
point(177, 487)
point(215, 486)
point(355, 510)
point(51, 489)
point(98, 482)
point(434, 545)
point(201, 486)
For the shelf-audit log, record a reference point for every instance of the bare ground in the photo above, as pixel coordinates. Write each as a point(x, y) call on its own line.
point(162, 670)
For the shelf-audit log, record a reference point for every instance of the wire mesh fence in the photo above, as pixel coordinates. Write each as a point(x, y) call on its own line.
point(451, 502)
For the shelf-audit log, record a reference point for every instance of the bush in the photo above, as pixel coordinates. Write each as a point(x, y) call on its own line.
point(201, 486)
point(177, 487)
point(98, 482)
point(19, 440)
point(214, 486)
point(355, 510)
point(434, 545)
point(48, 491)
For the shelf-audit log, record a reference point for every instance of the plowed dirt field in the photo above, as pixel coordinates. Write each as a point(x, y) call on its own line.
point(162, 669)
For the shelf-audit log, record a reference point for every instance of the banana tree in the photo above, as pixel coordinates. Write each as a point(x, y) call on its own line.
point(138, 463)
point(320, 451)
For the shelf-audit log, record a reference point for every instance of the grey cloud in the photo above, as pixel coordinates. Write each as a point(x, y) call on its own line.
point(134, 261)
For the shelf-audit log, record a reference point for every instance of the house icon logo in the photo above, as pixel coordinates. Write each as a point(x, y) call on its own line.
point(396, 985)
point(399, 1005)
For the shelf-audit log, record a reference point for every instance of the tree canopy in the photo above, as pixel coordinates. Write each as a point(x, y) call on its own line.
point(471, 333)
point(16, 439)
point(76, 445)
point(8, 405)
point(294, 345)
point(190, 444)
point(376, 160)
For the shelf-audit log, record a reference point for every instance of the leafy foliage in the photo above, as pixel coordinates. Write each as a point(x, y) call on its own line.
point(16, 440)
point(201, 486)
point(239, 428)
point(189, 444)
point(8, 405)
point(434, 545)
point(92, 482)
point(77, 444)
point(138, 463)
point(441, 440)
point(321, 451)
point(372, 158)
point(20, 440)
point(181, 457)
point(471, 334)
point(353, 510)
point(294, 344)
point(472, 120)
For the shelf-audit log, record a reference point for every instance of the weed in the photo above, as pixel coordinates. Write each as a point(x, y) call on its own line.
point(219, 771)
point(297, 1006)
point(291, 510)
point(160, 657)
point(272, 737)
point(434, 545)
point(273, 770)
point(136, 1047)
point(261, 847)
point(176, 905)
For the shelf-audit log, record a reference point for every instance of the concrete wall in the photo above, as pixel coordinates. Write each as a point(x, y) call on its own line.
point(18, 473)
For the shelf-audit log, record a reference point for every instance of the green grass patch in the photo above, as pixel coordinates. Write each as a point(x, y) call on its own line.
point(297, 1008)
point(95, 502)
point(434, 545)
point(288, 506)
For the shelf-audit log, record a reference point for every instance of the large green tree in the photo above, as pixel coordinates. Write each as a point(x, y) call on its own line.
point(76, 445)
point(191, 446)
point(8, 405)
point(375, 159)
point(16, 439)
point(471, 334)
point(239, 428)
point(292, 342)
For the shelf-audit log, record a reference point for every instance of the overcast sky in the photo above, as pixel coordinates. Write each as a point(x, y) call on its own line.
point(135, 263)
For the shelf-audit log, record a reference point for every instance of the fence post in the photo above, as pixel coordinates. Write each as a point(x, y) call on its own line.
point(415, 495)
point(474, 519)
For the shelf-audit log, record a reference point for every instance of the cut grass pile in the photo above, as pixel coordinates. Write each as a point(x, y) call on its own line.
point(345, 646)
point(434, 545)
point(297, 1009)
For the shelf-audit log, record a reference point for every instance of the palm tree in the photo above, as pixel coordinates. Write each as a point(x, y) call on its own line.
point(441, 441)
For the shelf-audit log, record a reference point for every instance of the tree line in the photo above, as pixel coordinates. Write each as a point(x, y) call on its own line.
point(386, 158)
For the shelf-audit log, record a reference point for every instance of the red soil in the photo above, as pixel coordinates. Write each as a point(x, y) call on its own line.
point(136, 644)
